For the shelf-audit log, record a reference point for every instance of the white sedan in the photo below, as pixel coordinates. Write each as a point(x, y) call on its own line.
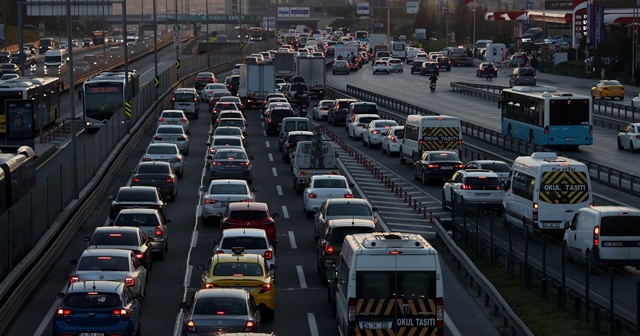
point(209, 89)
point(381, 66)
point(174, 117)
point(321, 111)
point(356, 128)
point(222, 192)
point(391, 140)
point(635, 102)
point(629, 137)
point(372, 136)
point(322, 187)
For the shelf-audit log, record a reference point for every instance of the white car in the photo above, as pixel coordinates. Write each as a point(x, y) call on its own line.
point(421, 57)
point(322, 187)
point(395, 64)
point(207, 92)
point(381, 66)
point(501, 168)
point(391, 140)
point(635, 101)
point(321, 111)
point(629, 137)
point(220, 193)
point(174, 134)
point(479, 187)
point(230, 130)
point(174, 117)
point(254, 241)
point(166, 152)
point(372, 135)
point(356, 128)
point(223, 141)
point(236, 69)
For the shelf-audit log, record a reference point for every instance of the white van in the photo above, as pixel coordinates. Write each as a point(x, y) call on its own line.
point(290, 124)
point(387, 283)
point(544, 192)
point(55, 61)
point(429, 133)
point(609, 234)
point(496, 53)
point(398, 49)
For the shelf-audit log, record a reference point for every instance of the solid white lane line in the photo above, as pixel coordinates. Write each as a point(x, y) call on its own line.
point(45, 322)
point(451, 328)
point(313, 326)
point(303, 282)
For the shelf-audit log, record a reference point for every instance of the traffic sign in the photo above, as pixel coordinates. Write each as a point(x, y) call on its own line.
point(241, 45)
point(176, 29)
point(156, 81)
point(176, 44)
point(177, 64)
point(127, 109)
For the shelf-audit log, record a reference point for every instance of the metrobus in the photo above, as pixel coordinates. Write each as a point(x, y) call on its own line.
point(98, 36)
point(362, 36)
point(45, 92)
point(255, 34)
point(544, 116)
point(105, 95)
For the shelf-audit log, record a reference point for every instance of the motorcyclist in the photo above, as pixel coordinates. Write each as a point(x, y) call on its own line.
point(34, 62)
point(433, 79)
point(302, 102)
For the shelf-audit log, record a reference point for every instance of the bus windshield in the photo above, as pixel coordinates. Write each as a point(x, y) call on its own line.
point(565, 112)
point(101, 103)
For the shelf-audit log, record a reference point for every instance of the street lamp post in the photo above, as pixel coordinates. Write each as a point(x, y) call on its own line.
point(474, 29)
point(206, 22)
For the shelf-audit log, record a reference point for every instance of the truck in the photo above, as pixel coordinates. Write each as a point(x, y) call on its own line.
point(285, 66)
point(345, 50)
point(315, 157)
point(381, 39)
point(459, 56)
point(312, 69)
point(256, 81)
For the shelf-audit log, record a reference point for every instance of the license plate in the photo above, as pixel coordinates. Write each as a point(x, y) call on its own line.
point(228, 166)
point(172, 122)
point(376, 325)
point(224, 203)
point(446, 168)
point(569, 139)
point(483, 194)
point(91, 334)
point(612, 244)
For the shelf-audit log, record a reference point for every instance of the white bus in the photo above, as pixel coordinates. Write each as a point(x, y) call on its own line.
point(105, 94)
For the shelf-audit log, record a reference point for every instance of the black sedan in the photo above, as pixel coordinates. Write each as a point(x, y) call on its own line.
point(231, 163)
point(156, 174)
point(416, 66)
point(486, 68)
point(429, 68)
point(436, 165)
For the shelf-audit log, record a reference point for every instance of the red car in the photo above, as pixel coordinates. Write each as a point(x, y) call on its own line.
point(250, 215)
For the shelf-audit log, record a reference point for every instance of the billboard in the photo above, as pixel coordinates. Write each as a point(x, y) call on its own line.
point(299, 12)
point(413, 7)
point(362, 8)
point(283, 12)
point(19, 116)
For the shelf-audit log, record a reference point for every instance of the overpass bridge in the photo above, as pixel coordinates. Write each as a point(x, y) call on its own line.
point(251, 20)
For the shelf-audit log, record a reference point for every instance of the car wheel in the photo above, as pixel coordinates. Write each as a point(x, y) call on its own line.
point(364, 143)
point(444, 201)
point(166, 245)
point(424, 179)
point(620, 144)
point(631, 147)
point(402, 159)
point(334, 72)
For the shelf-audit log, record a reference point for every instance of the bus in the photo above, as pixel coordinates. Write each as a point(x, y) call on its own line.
point(98, 37)
point(544, 116)
point(105, 95)
point(362, 36)
point(255, 34)
point(17, 176)
point(45, 92)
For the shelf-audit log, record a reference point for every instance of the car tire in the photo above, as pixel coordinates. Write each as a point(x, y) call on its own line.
point(620, 147)
point(424, 179)
point(631, 147)
point(402, 159)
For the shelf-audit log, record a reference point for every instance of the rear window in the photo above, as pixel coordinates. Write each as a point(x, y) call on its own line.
point(162, 150)
point(172, 115)
point(365, 109)
point(220, 306)
point(396, 284)
point(170, 130)
point(296, 126)
point(338, 233)
point(477, 183)
point(103, 263)
point(367, 120)
point(237, 269)
point(399, 133)
point(497, 167)
point(298, 87)
point(443, 157)
point(153, 168)
point(329, 183)
point(229, 115)
point(228, 189)
point(110, 238)
point(231, 122)
point(296, 138)
point(227, 142)
point(248, 215)
point(620, 226)
point(93, 300)
point(136, 220)
point(281, 114)
point(249, 243)
point(184, 97)
point(230, 155)
point(349, 210)
point(131, 195)
point(344, 104)
point(527, 72)
point(228, 131)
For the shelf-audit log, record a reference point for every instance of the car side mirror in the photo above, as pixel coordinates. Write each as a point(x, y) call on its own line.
point(201, 267)
point(275, 215)
point(332, 275)
point(183, 305)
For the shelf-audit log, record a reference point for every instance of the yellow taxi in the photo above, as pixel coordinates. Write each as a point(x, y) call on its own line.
point(608, 88)
point(246, 271)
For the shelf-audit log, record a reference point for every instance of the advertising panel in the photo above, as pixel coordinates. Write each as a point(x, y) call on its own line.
point(299, 12)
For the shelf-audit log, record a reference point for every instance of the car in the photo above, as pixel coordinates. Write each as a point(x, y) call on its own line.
point(276, 103)
point(434, 55)
point(322, 187)
point(343, 208)
point(443, 63)
point(222, 106)
point(298, 93)
point(236, 70)
point(137, 197)
point(119, 39)
point(174, 134)
point(273, 123)
point(607, 88)
point(211, 311)
point(5, 57)
point(253, 241)
point(156, 174)
point(551, 39)
point(31, 48)
point(635, 102)
point(523, 76)
point(150, 221)
point(122, 238)
point(518, 59)
point(436, 165)
point(381, 66)
point(340, 66)
point(220, 142)
point(235, 122)
point(250, 215)
point(9, 68)
point(174, 117)
point(245, 270)
point(207, 91)
point(330, 241)
point(429, 68)
point(204, 78)
point(166, 152)
point(355, 128)
point(259, 56)
point(228, 114)
point(111, 264)
point(290, 142)
point(229, 130)
point(474, 187)
point(84, 302)
point(372, 135)
point(215, 96)
point(486, 68)
point(338, 112)
point(81, 66)
point(416, 66)
point(421, 56)
point(186, 99)
point(234, 100)
point(87, 42)
point(232, 163)
point(234, 84)
point(501, 168)
point(395, 65)
point(629, 137)
point(9, 76)
point(321, 110)
point(391, 140)
point(221, 193)
point(267, 98)
point(251, 60)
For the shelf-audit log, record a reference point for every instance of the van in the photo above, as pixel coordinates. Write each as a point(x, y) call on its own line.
point(387, 284)
point(290, 124)
point(46, 44)
point(186, 100)
point(523, 76)
point(544, 191)
point(608, 234)
point(495, 53)
point(55, 61)
point(429, 133)
point(398, 49)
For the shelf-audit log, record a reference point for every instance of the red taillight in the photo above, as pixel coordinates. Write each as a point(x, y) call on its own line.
point(74, 279)
point(465, 187)
point(129, 281)
point(265, 288)
point(209, 201)
point(439, 312)
point(136, 180)
point(596, 236)
point(220, 252)
point(195, 99)
point(249, 326)
point(208, 286)
point(246, 164)
point(182, 139)
point(64, 312)
point(268, 255)
point(146, 159)
point(392, 138)
point(159, 231)
point(161, 120)
point(183, 119)
point(139, 255)
point(191, 327)
point(348, 195)
point(312, 195)
point(157, 138)
point(169, 180)
point(328, 249)
point(546, 130)
point(351, 311)
point(375, 132)
point(269, 120)
point(535, 213)
point(458, 166)
point(433, 165)
point(120, 312)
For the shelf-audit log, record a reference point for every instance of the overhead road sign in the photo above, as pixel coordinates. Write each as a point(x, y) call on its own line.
point(59, 7)
point(362, 8)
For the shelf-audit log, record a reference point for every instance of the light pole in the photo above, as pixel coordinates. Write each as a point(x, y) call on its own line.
point(155, 45)
point(474, 28)
point(206, 22)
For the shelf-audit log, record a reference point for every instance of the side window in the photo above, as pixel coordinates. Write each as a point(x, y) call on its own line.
point(523, 185)
point(343, 276)
point(142, 237)
point(574, 222)
point(327, 232)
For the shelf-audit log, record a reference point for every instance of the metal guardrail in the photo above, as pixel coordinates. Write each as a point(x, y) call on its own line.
point(613, 178)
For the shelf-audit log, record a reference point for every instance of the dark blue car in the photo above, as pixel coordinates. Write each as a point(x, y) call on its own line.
point(100, 307)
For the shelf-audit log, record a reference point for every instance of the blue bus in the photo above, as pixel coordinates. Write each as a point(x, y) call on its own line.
point(544, 116)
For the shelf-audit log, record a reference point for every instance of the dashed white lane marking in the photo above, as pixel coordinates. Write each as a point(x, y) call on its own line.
point(292, 240)
point(303, 282)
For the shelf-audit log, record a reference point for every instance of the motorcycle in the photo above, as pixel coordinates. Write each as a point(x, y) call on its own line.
point(33, 68)
point(302, 110)
point(432, 86)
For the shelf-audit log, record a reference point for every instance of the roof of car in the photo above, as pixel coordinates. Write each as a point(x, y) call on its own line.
point(126, 188)
point(227, 181)
point(232, 257)
point(106, 252)
point(248, 206)
point(332, 201)
point(244, 232)
point(479, 172)
point(117, 229)
point(96, 286)
point(348, 222)
point(138, 211)
point(222, 292)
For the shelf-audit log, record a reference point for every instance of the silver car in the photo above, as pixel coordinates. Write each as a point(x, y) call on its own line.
point(372, 135)
point(174, 134)
point(166, 152)
point(174, 117)
point(253, 241)
point(230, 130)
point(222, 192)
point(223, 141)
point(111, 264)
point(218, 311)
point(209, 89)
point(151, 223)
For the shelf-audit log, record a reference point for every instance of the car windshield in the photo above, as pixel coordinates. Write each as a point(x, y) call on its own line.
point(237, 269)
point(384, 124)
point(92, 300)
point(329, 183)
point(249, 243)
point(228, 131)
point(497, 167)
point(125, 219)
point(216, 86)
point(248, 215)
point(228, 189)
point(153, 168)
point(612, 82)
point(220, 306)
point(231, 122)
point(162, 150)
point(338, 233)
point(349, 210)
point(367, 120)
point(103, 263)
